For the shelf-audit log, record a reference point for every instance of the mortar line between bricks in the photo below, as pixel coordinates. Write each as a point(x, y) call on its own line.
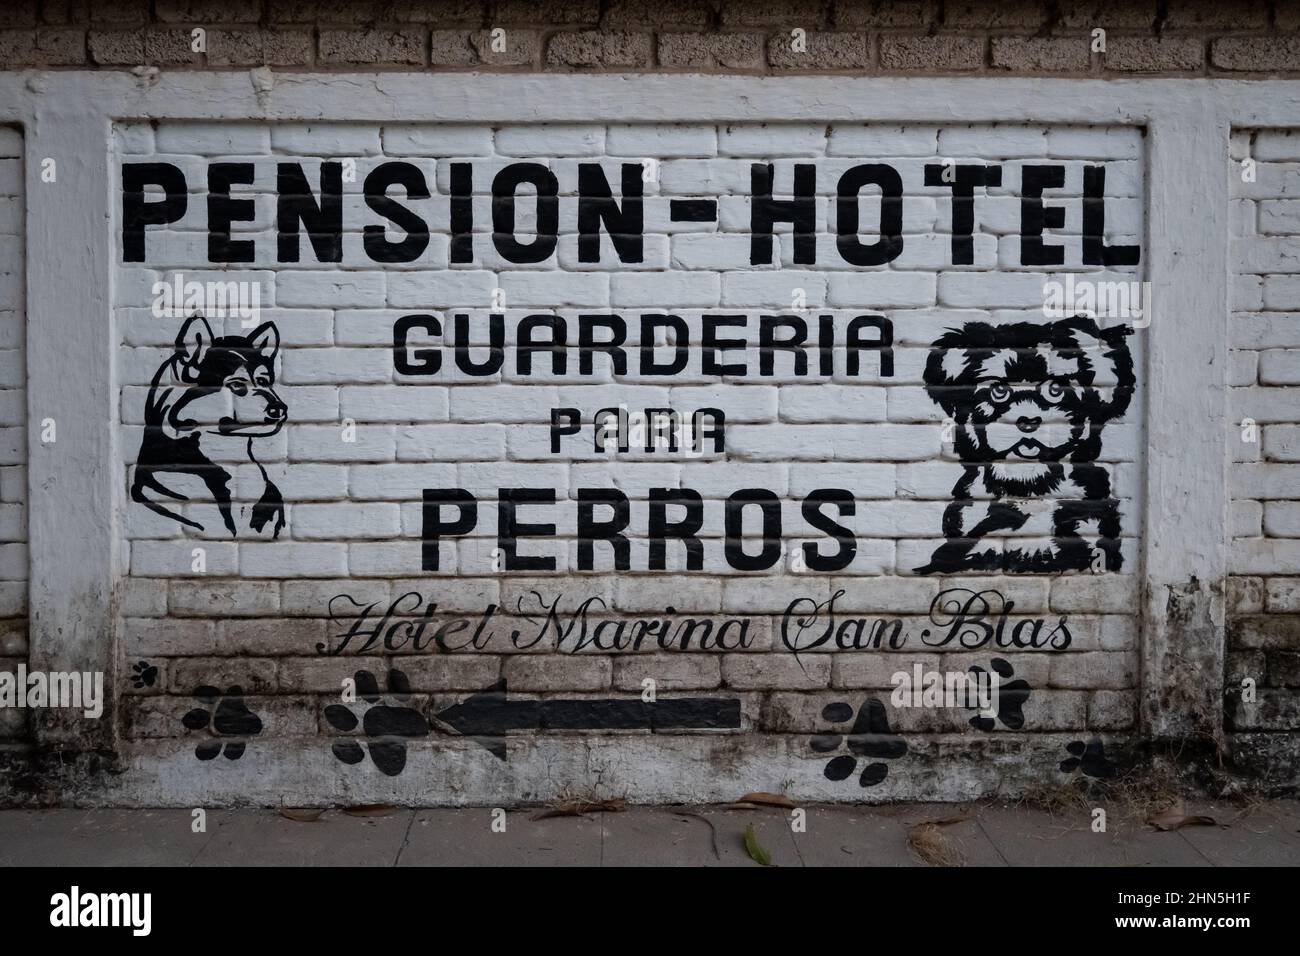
point(406, 838)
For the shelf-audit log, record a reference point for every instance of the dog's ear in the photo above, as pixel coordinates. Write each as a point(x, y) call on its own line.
point(193, 341)
point(947, 370)
point(1105, 354)
point(265, 340)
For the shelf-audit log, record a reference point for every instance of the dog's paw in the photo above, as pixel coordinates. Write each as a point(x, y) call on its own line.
point(1089, 758)
point(229, 721)
point(387, 726)
point(1011, 698)
point(143, 674)
point(870, 737)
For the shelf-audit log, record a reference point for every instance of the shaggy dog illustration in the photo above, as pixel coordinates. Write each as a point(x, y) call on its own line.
point(207, 406)
point(1029, 402)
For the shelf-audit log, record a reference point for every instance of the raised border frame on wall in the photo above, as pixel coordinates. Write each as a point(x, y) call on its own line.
point(76, 502)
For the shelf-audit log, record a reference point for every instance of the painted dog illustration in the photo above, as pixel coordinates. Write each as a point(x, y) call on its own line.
point(1029, 402)
point(207, 406)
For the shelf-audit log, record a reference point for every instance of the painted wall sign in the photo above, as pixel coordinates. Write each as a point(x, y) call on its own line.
point(638, 348)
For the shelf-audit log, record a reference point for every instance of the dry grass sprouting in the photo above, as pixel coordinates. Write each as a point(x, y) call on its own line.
point(1058, 799)
point(573, 803)
point(933, 846)
point(1143, 793)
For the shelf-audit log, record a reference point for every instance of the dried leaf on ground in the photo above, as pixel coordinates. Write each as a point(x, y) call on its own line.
point(947, 821)
point(760, 798)
point(1177, 816)
point(304, 815)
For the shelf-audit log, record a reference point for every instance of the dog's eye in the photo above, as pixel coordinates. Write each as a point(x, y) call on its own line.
point(1052, 391)
point(239, 388)
point(999, 391)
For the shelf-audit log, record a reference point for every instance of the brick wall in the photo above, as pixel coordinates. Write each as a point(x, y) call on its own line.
point(13, 418)
point(1265, 373)
point(1175, 37)
point(364, 438)
point(236, 647)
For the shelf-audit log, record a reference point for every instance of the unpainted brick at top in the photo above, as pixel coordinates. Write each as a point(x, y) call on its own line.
point(710, 51)
point(402, 46)
point(114, 47)
point(442, 13)
point(885, 14)
point(106, 11)
point(1256, 54)
point(593, 48)
point(170, 48)
point(670, 14)
point(452, 48)
point(325, 11)
point(1216, 15)
point(522, 47)
point(931, 53)
point(1154, 54)
point(1040, 54)
point(821, 51)
point(1028, 15)
point(19, 13)
point(471, 48)
point(203, 12)
point(805, 14)
point(566, 12)
point(20, 48)
point(1143, 37)
point(1110, 15)
point(260, 47)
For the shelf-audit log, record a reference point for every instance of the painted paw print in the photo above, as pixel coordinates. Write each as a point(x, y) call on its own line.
point(143, 674)
point(230, 718)
point(388, 726)
point(1012, 695)
point(1090, 758)
point(869, 737)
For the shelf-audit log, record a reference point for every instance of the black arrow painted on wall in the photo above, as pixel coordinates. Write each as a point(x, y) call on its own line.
point(489, 716)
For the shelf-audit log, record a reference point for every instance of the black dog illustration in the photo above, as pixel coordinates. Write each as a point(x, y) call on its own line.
point(1029, 402)
point(207, 405)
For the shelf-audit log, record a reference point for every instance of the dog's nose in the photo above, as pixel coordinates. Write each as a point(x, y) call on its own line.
point(1027, 424)
point(276, 411)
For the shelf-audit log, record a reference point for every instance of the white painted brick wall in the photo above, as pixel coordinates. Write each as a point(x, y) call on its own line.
point(351, 294)
point(353, 507)
point(13, 379)
point(1266, 359)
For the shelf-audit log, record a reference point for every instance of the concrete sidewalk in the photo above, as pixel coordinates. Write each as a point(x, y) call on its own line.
point(1261, 834)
